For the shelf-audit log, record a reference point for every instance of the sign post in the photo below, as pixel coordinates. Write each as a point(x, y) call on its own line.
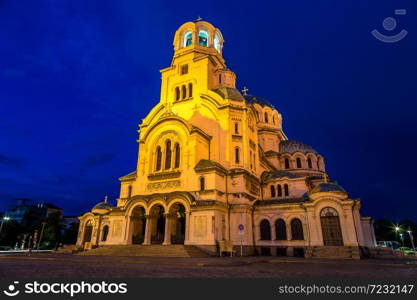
point(241, 233)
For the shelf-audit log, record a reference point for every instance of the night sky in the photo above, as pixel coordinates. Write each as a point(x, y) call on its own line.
point(77, 77)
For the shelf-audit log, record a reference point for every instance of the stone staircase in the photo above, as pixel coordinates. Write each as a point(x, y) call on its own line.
point(146, 251)
point(68, 249)
point(336, 252)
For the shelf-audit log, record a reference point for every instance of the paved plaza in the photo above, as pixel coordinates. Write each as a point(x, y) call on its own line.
point(73, 266)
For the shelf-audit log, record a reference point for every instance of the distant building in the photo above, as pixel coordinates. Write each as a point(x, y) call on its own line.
point(27, 213)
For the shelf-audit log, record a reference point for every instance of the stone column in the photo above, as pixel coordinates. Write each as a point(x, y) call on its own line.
point(187, 227)
point(98, 231)
point(273, 231)
point(148, 230)
point(167, 234)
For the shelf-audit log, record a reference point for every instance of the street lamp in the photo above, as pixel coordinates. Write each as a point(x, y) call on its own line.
point(41, 235)
point(410, 233)
point(402, 239)
point(4, 219)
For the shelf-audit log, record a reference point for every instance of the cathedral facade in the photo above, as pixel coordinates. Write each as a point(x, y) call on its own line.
point(215, 164)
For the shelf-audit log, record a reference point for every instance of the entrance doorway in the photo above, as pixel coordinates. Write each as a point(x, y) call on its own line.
point(330, 226)
point(177, 212)
point(158, 226)
point(88, 231)
point(138, 224)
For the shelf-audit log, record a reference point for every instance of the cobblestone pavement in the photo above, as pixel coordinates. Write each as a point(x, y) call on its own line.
point(72, 266)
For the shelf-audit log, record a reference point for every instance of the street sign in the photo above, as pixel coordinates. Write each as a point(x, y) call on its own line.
point(241, 229)
point(241, 233)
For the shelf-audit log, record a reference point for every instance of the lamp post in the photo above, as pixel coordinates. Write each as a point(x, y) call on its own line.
point(41, 235)
point(5, 218)
point(397, 229)
point(402, 239)
point(410, 233)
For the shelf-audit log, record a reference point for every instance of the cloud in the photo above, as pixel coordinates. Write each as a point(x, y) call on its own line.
point(12, 161)
point(99, 159)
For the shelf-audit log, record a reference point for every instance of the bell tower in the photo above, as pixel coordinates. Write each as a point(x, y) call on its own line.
point(197, 64)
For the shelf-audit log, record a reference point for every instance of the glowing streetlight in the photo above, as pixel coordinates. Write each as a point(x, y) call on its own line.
point(4, 219)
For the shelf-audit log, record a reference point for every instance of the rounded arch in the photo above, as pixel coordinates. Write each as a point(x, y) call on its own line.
point(179, 200)
point(104, 233)
point(181, 126)
point(154, 202)
point(265, 230)
point(218, 41)
point(297, 231)
point(130, 206)
point(280, 229)
point(187, 38)
point(88, 230)
point(203, 37)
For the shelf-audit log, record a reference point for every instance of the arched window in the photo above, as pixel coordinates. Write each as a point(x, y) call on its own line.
point(188, 39)
point(319, 163)
point(177, 155)
point(190, 90)
point(287, 163)
point(280, 230)
point(220, 78)
point(202, 183)
point(217, 45)
point(237, 155)
point(279, 187)
point(158, 158)
point(105, 233)
point(265, 230)
point(286, 191)
point(184, 92)
point(266, 117)
point(297, 230)
point(203, 38)
point(236, 128)
point(310, 165)
point(272, 191)
point(168, 153)
point(298, 160)
point(177, 93)
point(129, 191)
point(251, 159)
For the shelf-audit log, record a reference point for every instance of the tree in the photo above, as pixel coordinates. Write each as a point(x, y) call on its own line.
point(52, 233)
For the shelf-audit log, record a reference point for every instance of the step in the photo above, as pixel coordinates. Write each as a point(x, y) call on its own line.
point(146, 251)
point(335, 252)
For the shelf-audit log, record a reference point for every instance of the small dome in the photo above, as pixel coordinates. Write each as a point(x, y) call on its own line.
point(251, 99)
point(103, 205)
point(292, 147)
point(327, 187)
point(198, 33)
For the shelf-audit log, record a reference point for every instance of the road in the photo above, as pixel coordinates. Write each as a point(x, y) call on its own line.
point(72, 266)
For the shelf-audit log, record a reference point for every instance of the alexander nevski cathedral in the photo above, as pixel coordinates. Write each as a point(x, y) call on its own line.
point(215, 165)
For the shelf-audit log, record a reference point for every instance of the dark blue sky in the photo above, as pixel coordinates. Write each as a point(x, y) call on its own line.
point(77, 77)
